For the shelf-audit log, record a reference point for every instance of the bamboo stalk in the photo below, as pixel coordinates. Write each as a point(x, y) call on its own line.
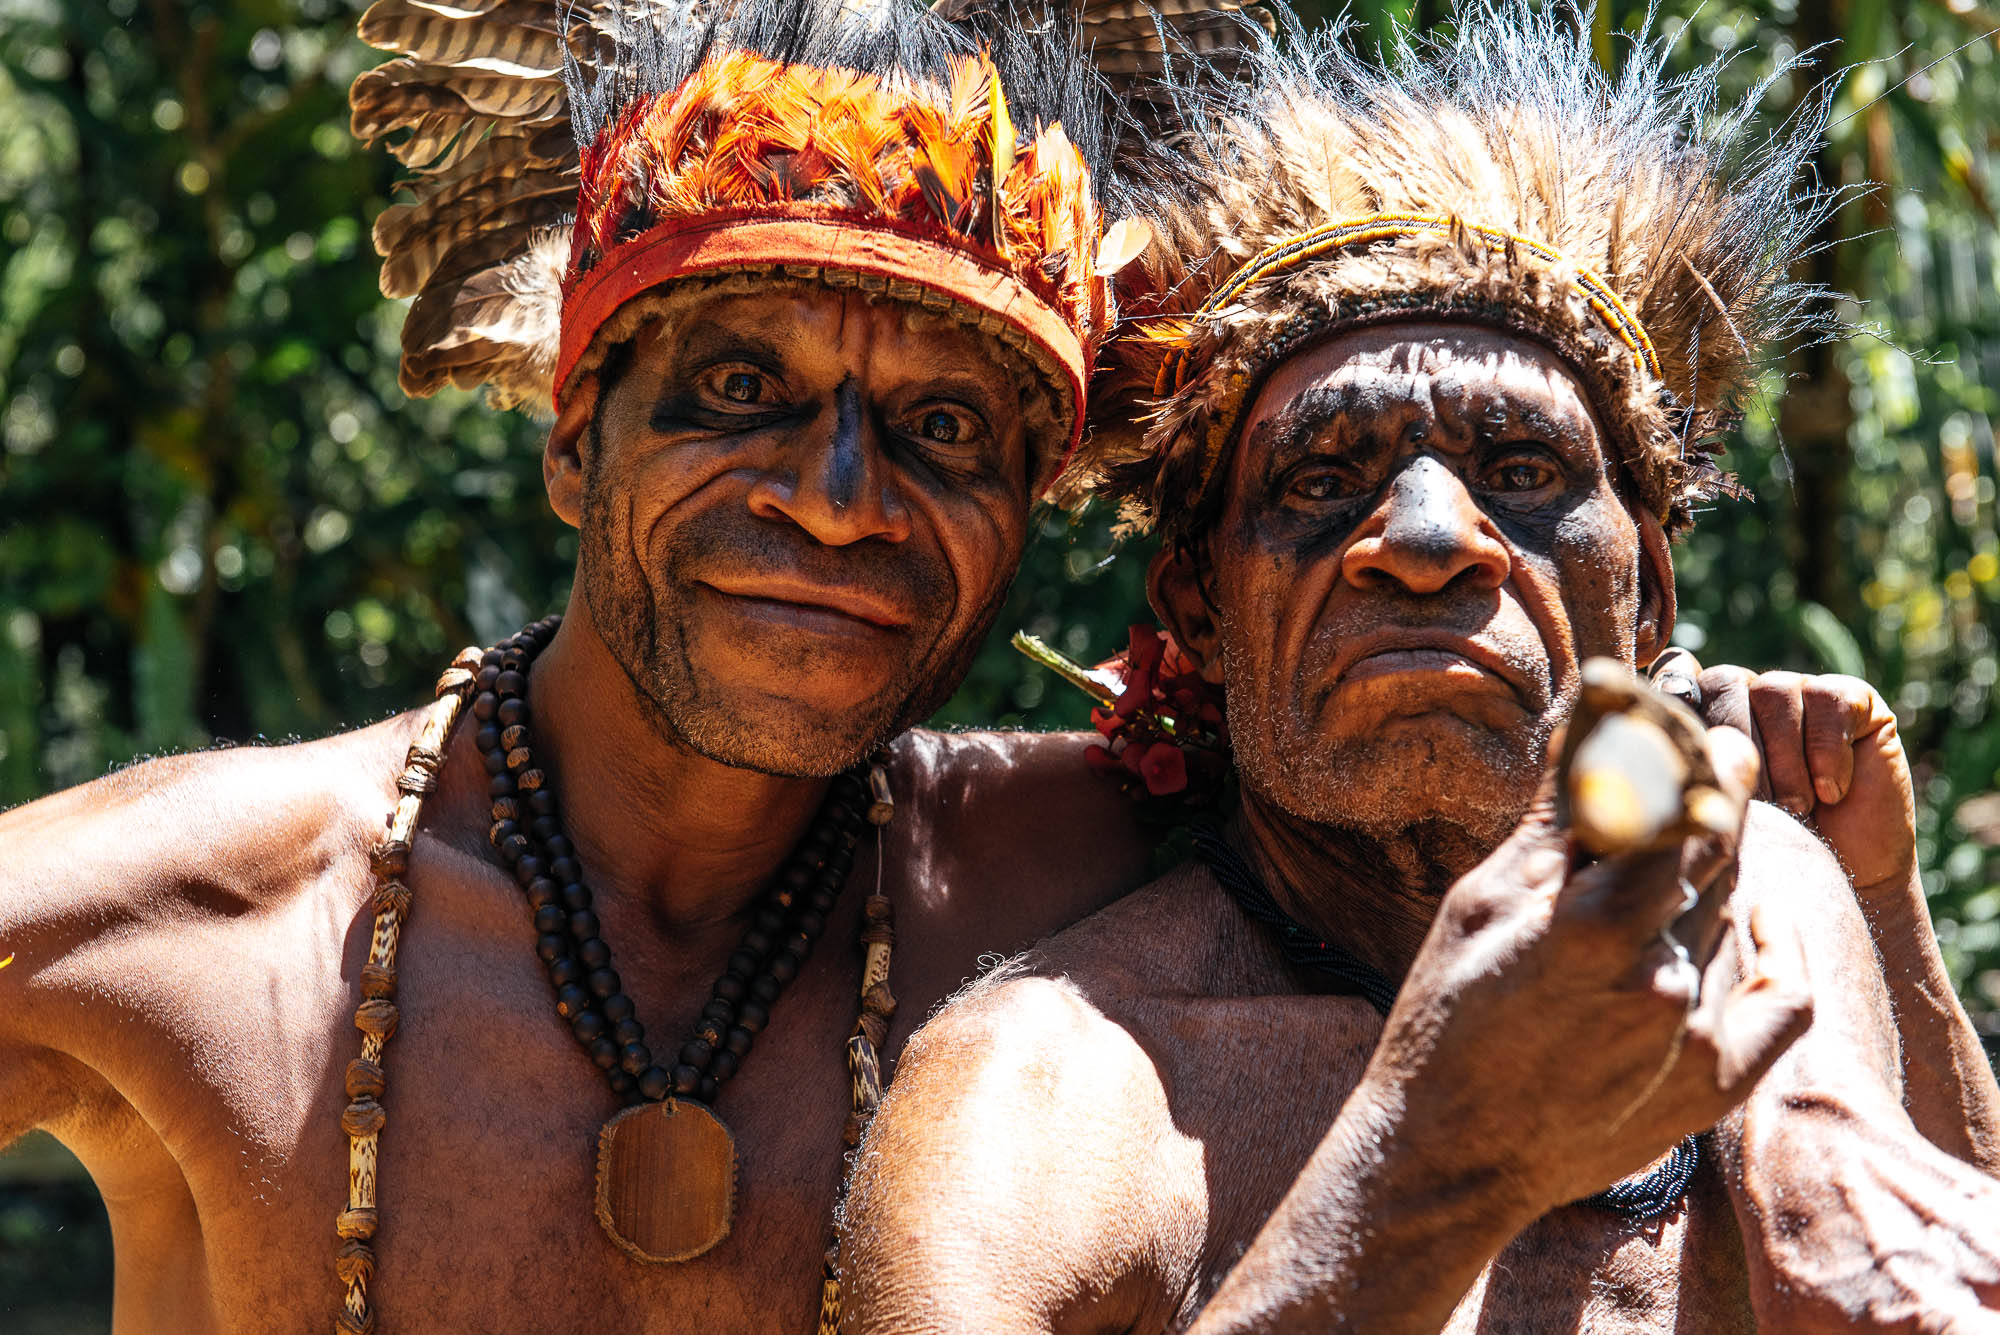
point(1071, 671)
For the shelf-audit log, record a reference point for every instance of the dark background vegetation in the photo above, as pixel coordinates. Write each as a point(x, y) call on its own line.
point(221, 521)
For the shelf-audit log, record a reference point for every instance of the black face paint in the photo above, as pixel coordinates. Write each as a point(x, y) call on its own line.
point(1424, 516)
point(683, 413)
point(846, 468)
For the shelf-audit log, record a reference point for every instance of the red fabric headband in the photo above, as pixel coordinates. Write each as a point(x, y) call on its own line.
point(760, 239)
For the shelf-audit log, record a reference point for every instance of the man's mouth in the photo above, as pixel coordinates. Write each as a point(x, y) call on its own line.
point(805, 605)
point(1421, 652)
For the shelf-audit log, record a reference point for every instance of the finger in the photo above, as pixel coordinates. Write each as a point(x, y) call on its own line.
point(1778, 710)
point(1709, 865)
point(1709, 882)
point(1725, 703)
point(1630, 898)
point(1676, 672)
point(1737, 765)
point(1638, 895)
point(1839, 711)
point(1723, 971)
point(1544, 802)
point(1725, 696)
point(1765, 1013)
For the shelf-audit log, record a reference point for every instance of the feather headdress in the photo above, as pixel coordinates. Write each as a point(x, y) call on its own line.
point(571, 156)
point(1499, 176)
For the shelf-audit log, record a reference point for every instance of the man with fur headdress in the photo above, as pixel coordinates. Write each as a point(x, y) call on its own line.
point(1454, 342)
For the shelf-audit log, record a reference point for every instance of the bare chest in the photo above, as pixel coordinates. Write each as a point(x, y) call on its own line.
point(1259, 1080)
point(489, 1170)
point(1582, 1269)
point(488, 1157)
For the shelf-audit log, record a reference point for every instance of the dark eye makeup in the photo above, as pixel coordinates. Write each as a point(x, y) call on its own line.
point(1520, 469)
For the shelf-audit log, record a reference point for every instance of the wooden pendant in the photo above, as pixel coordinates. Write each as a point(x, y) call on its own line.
point(666, 1180)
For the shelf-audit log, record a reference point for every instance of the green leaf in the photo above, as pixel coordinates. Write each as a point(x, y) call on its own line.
point(1834, 643)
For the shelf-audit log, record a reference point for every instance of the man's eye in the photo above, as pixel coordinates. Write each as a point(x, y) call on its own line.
point(1522, 475)
point(1320, 486)
point(943, 425)
point(743, 387)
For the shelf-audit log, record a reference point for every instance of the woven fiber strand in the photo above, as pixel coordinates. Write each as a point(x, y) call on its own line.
point(376, 1016)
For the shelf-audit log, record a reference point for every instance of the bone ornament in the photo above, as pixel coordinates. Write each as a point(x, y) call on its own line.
point(1634, 774)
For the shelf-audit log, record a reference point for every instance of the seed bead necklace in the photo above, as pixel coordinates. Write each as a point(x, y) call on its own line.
point(666, 1171)
point(666, 1167)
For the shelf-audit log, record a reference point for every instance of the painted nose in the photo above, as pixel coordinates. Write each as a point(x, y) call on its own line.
point(841, 492)
point(1426, 535)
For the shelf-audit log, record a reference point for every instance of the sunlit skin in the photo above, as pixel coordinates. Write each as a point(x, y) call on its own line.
point(798, 516)
point(800, 519)
point(1426, 546)
point(776, 569)
point(1151, 1123)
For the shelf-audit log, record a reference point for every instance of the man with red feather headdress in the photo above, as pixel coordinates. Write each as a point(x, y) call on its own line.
point(560, 1002)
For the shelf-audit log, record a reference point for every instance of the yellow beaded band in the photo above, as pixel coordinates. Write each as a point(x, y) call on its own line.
point(1297, 250)
point(1291, 253)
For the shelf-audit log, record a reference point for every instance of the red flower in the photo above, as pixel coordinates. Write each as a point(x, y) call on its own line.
point(1160, 764)
point(1100, 759)
point(1138, 693)
point(1142, 670)
point(1175, 661)
point(1106, 722)
point(1148, 647)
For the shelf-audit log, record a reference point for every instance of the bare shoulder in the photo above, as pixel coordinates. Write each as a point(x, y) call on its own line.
point(1076, 1007)
point(1180, 936)
point(1024, 1172)
point(1024, 808)
point(174, 843)
point(1785, 872)
point(1022, 784)
point(1042, 1161)
point(1777, 848)
point(1782, 863)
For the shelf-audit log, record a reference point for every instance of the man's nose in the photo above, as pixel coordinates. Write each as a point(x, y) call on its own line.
point(1426, 534)
point(841, 491)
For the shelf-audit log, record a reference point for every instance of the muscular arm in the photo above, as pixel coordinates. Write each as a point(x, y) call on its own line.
point(1948, 1084)
point(33, 1091)
point(1013, 1180)
point(1833, 757)
point(39, 1086)
point(1850, 1218)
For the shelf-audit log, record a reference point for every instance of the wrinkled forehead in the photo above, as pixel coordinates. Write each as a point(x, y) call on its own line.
point(809, 327)
point(1442, 380)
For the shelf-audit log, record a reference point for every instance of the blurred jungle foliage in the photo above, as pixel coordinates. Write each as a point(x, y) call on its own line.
point(220, 519)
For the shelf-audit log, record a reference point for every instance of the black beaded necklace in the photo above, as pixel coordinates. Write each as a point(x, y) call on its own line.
point(1638, 1198)
point(788, 919)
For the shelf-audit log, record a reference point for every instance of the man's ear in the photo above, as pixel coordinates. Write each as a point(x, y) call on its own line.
point(1657, 605)
point(1176, 586)
point(563, 455)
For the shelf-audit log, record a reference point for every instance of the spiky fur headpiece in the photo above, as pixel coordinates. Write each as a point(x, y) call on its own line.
point(1498, 177)
point(959, 167)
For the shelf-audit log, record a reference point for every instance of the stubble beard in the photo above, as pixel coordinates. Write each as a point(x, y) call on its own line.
point(640, 623)
point(1458, 784)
